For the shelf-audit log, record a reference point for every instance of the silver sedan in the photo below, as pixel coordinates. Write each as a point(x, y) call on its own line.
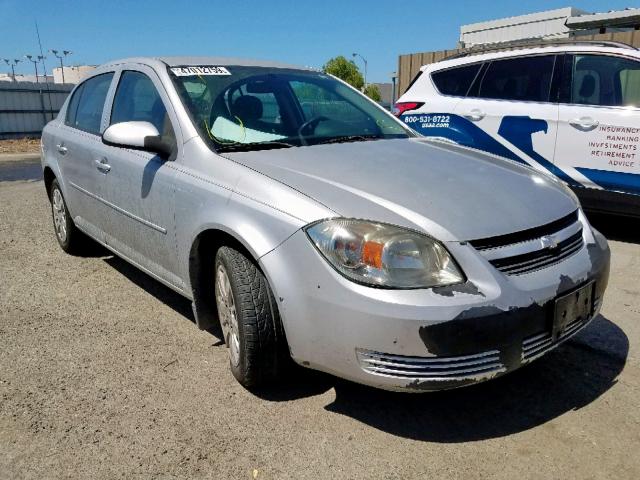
point(310, 224)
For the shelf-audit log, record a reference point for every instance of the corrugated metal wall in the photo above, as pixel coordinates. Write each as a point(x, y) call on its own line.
point(408, 65)
point(26, 107)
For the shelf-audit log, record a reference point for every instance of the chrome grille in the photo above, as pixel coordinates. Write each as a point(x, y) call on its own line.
point(533, 249)
point(539, 344)
point(431, 368)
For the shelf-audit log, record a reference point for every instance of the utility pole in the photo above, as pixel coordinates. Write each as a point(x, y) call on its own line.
point(60, 57)
point(12, 65)
point(354, 55)
point(35, 64)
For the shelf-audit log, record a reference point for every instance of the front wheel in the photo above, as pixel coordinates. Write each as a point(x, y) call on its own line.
point(249, 319)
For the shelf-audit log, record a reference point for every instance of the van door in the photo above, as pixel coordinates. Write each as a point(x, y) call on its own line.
point(140, 185)
point(599, 122)
point(510, 111)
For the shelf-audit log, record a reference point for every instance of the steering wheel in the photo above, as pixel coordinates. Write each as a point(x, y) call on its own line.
point(312, 122)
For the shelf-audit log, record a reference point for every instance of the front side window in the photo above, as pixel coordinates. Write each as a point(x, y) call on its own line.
point(87, 104)
point(250, 108)
point(455, 81)
point(137, 99)
point(605, 81)
point(525, 79)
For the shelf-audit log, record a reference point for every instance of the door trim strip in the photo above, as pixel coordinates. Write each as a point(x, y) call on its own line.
point(147, 223)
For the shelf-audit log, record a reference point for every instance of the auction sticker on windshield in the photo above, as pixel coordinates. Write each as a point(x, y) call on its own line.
point(199, 70)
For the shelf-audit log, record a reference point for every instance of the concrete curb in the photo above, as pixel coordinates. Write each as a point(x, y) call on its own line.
point(17, 157)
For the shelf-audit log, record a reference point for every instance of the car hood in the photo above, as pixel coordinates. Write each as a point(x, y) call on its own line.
point(449, 192)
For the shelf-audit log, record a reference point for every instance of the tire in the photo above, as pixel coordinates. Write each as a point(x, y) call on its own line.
point(257, 346)
point(70, 239)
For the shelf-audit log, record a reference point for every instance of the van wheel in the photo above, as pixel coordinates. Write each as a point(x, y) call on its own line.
point(249, 319)
point(69, 237)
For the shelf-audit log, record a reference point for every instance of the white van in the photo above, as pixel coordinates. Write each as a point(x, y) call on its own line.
point(569, 108)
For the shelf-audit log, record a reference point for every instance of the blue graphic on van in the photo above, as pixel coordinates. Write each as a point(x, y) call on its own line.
point(616, 181)
point(459, 130)
point(519, 130)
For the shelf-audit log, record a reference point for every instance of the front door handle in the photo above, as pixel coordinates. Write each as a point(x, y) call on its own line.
point(475, 115)
point(62, 150)
point(584, 123)
point(102, 165)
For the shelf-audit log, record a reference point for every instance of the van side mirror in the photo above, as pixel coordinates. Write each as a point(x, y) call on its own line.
point(137, 135)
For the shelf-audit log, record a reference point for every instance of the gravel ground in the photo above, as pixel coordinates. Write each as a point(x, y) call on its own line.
point(103, 374)
point(21, 145)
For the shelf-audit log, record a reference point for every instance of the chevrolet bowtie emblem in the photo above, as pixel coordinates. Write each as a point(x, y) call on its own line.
point(549, 243)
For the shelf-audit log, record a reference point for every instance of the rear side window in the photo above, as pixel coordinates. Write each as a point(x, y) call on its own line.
point(605, 81)
point(86, 105)
point(526, 79)
point(455, 81)
point(137, 99)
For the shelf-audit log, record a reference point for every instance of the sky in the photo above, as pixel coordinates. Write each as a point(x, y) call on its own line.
point(300, 32)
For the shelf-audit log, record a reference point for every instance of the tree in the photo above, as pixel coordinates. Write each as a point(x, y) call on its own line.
point(373, 92)
point(345, 70)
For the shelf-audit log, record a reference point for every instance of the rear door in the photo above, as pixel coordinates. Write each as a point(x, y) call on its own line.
point(510, 111)
point(140, 185)
point(599, 122)
point(77, 146)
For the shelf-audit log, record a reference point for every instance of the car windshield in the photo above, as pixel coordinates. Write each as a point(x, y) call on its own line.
point(239, 108)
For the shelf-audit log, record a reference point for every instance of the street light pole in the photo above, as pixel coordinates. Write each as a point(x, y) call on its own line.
point(354, 55)
point(35, 64)
point(60, 57)
point(13, 72)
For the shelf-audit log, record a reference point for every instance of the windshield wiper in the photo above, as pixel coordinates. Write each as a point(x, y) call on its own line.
point(351, 138)
point(246, 147)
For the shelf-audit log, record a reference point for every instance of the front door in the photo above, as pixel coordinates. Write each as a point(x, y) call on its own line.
point(599, 122)
point(140, 184)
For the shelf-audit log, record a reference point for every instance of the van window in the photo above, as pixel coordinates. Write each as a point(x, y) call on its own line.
point(455, 81)
point(524, 79)
point(605, 81)
point(137, 99)
point(86, 105)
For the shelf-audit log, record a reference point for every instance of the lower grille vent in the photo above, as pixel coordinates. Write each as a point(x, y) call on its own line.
point(431, 368)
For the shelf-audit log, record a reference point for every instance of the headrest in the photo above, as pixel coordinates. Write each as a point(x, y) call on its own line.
point(247, 108)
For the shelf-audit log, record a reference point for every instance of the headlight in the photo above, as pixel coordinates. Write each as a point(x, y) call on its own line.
point(383, 255)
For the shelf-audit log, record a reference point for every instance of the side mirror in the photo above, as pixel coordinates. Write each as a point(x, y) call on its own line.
point(137, 135)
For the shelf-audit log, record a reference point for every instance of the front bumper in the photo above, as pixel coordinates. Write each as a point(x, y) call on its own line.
point(427, 339)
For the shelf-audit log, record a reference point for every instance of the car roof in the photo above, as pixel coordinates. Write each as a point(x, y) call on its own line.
point(521, 51)
point(174, 61)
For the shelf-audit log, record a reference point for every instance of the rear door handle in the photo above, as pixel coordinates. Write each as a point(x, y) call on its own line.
point(584, 123)
point(62, 150)
point(475, 115)
point(102, 165)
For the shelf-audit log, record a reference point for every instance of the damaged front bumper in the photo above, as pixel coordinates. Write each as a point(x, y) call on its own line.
point(429, 339)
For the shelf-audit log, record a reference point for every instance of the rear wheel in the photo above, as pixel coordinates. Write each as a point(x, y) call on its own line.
point(71, 239)
point(249, 319)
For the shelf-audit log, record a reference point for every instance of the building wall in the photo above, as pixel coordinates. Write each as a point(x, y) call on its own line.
point(72, 74)
point(409, 65)
point(6, 77)
point(548, 24)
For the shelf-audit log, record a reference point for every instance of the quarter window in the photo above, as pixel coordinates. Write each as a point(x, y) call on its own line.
point(137, 99)
point(455, 81)
point(605, 80)
point(87, 104)
point(525, 79)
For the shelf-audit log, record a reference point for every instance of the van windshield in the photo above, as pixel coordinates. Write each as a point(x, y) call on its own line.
point(253, 108)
